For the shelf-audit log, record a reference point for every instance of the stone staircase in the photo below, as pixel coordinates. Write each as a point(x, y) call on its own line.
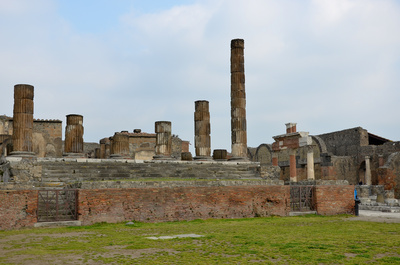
point(375, 198)
point(59, 174)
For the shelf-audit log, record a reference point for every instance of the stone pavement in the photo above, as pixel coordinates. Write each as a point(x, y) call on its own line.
point(376, 216)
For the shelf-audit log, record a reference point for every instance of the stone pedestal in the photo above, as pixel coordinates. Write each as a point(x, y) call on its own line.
point(73, 145)
point(202, 139)
point(238, 101)
point(120, 146)
point(220, 154)
point(163, 140)
point(310, 163)
point(23, 121)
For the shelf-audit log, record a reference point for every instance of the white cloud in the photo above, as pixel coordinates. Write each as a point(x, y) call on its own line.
point(327, 65)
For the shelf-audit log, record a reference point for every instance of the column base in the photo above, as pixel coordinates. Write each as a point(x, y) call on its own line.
point(22, 154)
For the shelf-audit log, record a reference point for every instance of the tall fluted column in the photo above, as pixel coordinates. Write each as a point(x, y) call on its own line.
point(73, 145)
point(238, 101)
point(163, 140)
point(23, 121)
point(310, 163)
point(120, 146)
point(202, 140)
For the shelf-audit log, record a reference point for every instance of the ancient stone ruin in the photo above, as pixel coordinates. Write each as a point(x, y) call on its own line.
point(153, 176)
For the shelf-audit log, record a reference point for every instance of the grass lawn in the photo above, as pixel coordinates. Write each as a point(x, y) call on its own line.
point(272, 240)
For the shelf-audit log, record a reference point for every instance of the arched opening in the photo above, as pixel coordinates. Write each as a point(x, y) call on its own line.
point(361, 173)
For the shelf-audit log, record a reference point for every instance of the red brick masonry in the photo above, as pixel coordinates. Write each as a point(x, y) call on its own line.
point(18, 208)
point(181, 203)
point(334, 199)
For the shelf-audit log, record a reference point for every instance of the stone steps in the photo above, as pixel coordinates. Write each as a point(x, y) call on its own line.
point(71, 172)
point(381, 208)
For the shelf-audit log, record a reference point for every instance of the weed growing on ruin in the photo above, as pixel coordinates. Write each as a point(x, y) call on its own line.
point(281, 240)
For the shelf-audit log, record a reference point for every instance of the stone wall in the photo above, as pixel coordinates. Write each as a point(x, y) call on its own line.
point(334, 199)
point(161, 202)
point(181, 203)
point(346, 142)
point(47, 138)
point(389, 174)
point(18, 209)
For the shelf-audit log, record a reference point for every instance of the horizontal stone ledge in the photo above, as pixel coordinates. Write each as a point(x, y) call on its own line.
point(59, 223)
point(174, 184)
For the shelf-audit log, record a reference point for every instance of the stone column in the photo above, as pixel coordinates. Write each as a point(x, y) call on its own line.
point(367, 171)
point(292, 165)
point(102, 148)
point(275, 158)
point(202, 140)
point(73, 145)
point(310, 163)
point(238, 101)
point(163, 140)
point(220, 154)
point(23, 121)
point(120, 146)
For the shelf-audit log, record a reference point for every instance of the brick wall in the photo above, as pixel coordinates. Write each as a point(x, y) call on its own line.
point(18, 209)
point(181, 203)
point(334, 199)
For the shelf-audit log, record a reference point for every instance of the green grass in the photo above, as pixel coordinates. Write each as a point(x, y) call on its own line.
point(272, 240)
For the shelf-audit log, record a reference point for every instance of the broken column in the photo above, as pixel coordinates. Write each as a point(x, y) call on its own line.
point(202, 139)
point(238, 101)
point(23, 121)
point(292, 165)
point(120, 146)
point(73, 145)
point(310, 163)
point(103, 147)
point(163, 140)
point(367, 171)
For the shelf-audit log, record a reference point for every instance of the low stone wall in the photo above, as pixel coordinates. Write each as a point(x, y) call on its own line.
point(181, 203)
point(337, 199)
point(18, 209)
point(175, 201)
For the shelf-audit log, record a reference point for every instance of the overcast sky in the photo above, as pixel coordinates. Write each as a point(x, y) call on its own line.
point(124, 64)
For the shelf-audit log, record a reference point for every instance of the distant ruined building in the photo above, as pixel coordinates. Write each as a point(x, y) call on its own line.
point(354, 155)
